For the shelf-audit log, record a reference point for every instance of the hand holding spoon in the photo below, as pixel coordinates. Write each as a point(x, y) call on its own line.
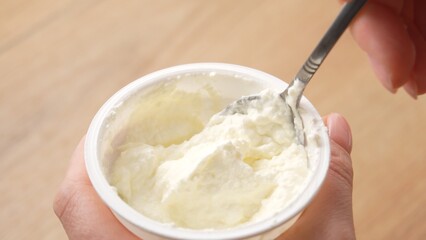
point(294, 91)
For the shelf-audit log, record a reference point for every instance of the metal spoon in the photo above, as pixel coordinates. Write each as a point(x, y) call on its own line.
point(294, 91)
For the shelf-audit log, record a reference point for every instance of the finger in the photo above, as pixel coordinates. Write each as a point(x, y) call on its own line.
point(420, 16)
point(329, 216)
point(394, 5)
point(74, 179)
point(77, 170)
point(380, 32)
point(411, 87)
point(81, 211)
point(418, 85)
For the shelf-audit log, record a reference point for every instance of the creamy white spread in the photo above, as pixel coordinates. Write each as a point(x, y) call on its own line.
point(234, 170)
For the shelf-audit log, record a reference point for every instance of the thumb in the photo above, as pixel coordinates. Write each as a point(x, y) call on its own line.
point(329, 216)
point(339, 131)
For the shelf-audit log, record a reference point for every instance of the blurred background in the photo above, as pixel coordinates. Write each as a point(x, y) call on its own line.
point(60, 60)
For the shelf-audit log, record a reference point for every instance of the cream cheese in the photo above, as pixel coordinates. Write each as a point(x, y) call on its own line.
point(234, 170)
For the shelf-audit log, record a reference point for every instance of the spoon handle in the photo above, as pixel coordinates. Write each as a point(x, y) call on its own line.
point(349, 10)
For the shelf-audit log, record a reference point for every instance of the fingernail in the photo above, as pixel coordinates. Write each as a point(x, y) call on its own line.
point(388, 85)
point(339, 131)
point(383, 74)
point(411, 88)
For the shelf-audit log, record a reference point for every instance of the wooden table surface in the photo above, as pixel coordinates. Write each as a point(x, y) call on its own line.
point(60, 60)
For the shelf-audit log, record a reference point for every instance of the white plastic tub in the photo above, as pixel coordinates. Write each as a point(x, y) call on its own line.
point(109, 125)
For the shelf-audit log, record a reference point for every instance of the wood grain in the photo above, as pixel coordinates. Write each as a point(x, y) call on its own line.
point(60, 60)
